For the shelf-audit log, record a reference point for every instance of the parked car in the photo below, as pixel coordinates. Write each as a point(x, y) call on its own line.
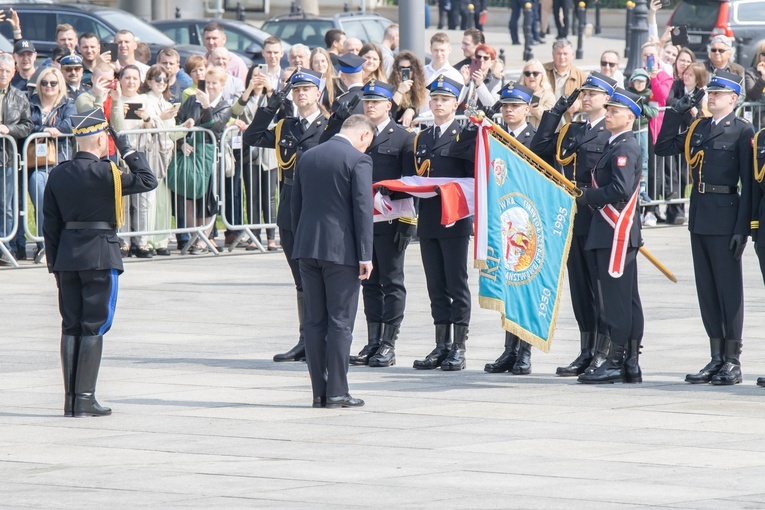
point(6, 46)
point(39, 21)
point(743, 20)
point(241, 37)
point(309, 30)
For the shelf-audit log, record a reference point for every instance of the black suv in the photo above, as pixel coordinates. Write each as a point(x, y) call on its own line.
point(302, 28)
point(743, 20)
point(39, 21)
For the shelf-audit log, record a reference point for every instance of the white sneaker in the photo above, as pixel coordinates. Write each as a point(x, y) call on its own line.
point(649, 220)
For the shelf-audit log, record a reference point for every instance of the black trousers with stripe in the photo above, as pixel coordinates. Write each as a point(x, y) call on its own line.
point(87, 301)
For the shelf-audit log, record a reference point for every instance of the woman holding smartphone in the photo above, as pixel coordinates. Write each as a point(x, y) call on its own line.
point(408, 78)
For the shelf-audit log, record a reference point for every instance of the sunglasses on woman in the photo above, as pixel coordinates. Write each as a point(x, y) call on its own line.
point(529, 74)
point(46, 83)
point(160, 79)
point(485, 58)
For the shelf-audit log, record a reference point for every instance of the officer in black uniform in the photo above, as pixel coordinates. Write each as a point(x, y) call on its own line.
point(291, 136)
point(392, 153)
point(758, 207)
point(351, 69)
point(444, 250)
point(83, 209)
point(615, 238)
point(719, 156)
point(577, 147)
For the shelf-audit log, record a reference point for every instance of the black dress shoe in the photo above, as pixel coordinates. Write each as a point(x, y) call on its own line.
point(344, 401)
point(319, 401)
point(163, 252)
point(761, 382)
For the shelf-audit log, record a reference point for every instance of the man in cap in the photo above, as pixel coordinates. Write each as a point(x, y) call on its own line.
point(392, 153)
point(291, 136)
point(444, 250)
point(722, 56)
point(71, 67)
point(25, 56)
point(82, 211)
point(345, 105)
point(718, 150)
point(615, 238)
point(577, 147)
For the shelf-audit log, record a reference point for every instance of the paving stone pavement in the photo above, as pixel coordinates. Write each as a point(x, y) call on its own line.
point(204, 419)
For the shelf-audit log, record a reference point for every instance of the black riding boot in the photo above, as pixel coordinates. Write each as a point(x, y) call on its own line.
point(730, 373)
point(88, 362)
point(522, 364)
point(456, 359)
point(609, 372)
point(386, 354)
point(506, 360)
point(374, 334)
point(632, 372)
point(600, 352)
point(69, 346)
point(710, 369)
point(297, 353)
point(580, 364)
point(437, 355)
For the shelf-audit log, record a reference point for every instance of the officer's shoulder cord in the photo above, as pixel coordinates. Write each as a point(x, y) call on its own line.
point(759, 171)
point(697, 160)
point(119, 208)
point(560, 159)
point(283, 165)
point(425, 166)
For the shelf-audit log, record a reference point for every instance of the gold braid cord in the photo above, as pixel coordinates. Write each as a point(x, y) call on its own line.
point(283, 165)
point(119, 207)
point(759, 171)
point(697, 160)
point(425, 166)
point(558, 157)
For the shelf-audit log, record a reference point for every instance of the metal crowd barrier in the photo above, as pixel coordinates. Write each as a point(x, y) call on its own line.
point(249, 192)
point(752, 111)
point(9, 196)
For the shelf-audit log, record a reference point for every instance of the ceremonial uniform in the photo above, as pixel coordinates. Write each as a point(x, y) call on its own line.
point(758, 207)
point(444, 250)
point(82, 210)
point(719, 155)
point(577, 148)
point(350, 64)
point(290, 137)
point(614, 237)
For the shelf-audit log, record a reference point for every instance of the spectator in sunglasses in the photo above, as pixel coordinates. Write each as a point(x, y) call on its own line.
point(534, 77)
point(609, 66)
point(722, 56)
point(487, 85)
point(71, 68)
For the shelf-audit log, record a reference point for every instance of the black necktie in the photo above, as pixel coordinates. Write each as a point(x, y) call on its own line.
point(304, 124)
point(589, 126)
point(512, 133)
point(437, 133)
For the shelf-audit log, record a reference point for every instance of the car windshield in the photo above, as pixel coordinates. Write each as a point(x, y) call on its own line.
point(697, 14)
point(310, 33)
point(142, 30)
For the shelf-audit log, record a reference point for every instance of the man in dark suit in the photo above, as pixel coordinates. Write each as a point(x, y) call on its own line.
point(332, 220)
point(444, 250)
point(83, 209)
point(719, 155)
point(290, 137)
point(577, 147)
point(615, 238)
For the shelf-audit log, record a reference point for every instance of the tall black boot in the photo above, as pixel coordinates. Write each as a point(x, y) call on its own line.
point(69, 347)
point(609, 372)
point(386, 353)
point(88, 362)
point(456, 361)
point(632, 372)
point(580, 364)
point(600, 352)
point(506, 360)
point(522, 364)
point(297, 353)
point(374, 334)
point(437, 355)
point(710, 369)
point(730, 373)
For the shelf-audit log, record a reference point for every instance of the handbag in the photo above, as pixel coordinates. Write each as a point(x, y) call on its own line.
point(190, 176)
point(229, 162)
point(42, 153)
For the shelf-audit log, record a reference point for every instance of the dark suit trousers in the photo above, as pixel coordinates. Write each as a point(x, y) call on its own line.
point(620, 305)
point(384, 292)
point(583, 284)
point(562, 26)
point(87, 301)
point(287, 240)
point(331, 293)
point(445, 263)
point(760, 250)
point(719, 286)
point(516, 9)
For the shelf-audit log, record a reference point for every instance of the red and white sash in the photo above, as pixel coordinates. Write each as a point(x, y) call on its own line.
point(621, 222)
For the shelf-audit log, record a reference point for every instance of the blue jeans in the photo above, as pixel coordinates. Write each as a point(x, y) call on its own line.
point(642, 137)
point(37, 182)
point(6, 201)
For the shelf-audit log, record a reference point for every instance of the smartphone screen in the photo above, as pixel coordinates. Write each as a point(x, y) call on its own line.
point(475, 65)
point(114, 49)
point(650, 60)
point(202, 85)
point(131, 113)
point(406, 74)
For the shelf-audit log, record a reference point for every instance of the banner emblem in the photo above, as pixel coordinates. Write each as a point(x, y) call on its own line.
point(522, 238)
point(500, 171)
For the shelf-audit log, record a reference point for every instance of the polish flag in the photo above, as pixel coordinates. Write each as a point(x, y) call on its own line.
point(457, 197)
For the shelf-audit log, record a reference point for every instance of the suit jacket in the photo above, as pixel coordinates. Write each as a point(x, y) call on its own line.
point(618, 176)
point(727, 161)
point(83, 190)
point(332, 204)
point(575, 80)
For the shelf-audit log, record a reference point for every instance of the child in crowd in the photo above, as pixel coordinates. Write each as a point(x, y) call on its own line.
point(638, 84)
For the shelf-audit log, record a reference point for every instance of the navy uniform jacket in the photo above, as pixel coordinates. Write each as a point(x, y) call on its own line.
point(83, 190)
point(758, 190)
point(348, 96)
point(618, 176)
point(588, 146)
point(332, 204)
point(727, 160)
point(464, 147)
point(392, 153)
point(443, 163)
point(291, 142)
